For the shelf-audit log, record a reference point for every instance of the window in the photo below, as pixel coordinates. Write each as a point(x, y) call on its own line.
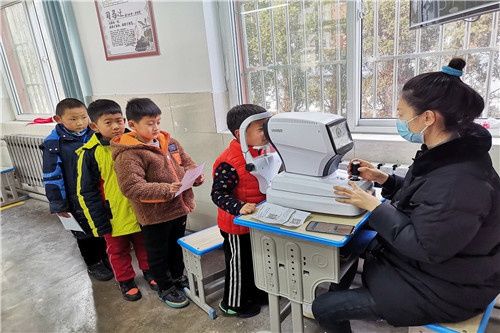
point(293, 56)
point(28, 67)
point(392, 54)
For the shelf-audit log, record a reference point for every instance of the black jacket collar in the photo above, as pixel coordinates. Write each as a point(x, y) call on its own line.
point(106, 142)
point(66, 135)
point(473, 143)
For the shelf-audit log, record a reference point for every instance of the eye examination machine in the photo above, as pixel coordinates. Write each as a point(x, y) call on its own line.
point(311, 146)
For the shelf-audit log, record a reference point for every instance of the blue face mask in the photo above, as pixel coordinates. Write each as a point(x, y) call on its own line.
point(404, 131)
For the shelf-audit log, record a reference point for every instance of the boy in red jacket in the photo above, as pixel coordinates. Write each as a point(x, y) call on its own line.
point(235, 191)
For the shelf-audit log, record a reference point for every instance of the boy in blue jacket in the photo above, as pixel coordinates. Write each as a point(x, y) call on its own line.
point(59, 177)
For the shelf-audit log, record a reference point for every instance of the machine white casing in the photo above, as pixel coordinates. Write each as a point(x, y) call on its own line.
point(311, 145)
point(303, 142)
point(316, 193)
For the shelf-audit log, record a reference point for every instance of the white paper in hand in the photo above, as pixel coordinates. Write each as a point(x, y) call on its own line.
point(190, 177)
point(70, 223)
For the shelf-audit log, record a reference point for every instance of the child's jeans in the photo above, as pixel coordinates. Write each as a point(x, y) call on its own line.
point(118, 249)
point(164, 254)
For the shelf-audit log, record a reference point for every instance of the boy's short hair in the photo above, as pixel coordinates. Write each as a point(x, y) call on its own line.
point(237, 115)
point(68, 103)
point(100, 107)
point(138, 108)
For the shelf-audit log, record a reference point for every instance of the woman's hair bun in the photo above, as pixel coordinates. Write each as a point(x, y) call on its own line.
point(457, 63)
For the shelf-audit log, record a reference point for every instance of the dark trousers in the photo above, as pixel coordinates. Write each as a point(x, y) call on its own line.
point(334, 309)
point(118, 249)
point(93, 250)
point(164, 254)
point(239, 287)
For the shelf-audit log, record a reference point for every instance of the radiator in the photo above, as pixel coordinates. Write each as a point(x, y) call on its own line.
point(26, 157)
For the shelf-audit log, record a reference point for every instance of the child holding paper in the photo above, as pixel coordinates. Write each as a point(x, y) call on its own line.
point(149, 165)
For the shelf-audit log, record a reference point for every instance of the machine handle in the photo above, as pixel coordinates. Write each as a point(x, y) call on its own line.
point(355, 170)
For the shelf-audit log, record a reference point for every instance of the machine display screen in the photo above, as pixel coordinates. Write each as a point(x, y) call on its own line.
point(340, 134)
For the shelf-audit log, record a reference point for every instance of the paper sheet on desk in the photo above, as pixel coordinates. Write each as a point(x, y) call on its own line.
point(70, 223)
point(190, 177)
point(274, 214)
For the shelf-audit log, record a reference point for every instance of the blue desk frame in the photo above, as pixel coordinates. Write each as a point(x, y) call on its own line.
point(292, 262)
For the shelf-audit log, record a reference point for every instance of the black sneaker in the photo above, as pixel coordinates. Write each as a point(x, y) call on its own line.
point(182, 282)
point(250, 310)
point(130, 291)
point(148, 276)
point(100, 272)
point(173, 297)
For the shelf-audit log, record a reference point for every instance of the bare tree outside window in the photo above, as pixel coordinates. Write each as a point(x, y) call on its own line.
point(392, 54)
point(294, 54)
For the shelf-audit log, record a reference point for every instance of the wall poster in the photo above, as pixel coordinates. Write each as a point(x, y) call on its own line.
point(127, 28)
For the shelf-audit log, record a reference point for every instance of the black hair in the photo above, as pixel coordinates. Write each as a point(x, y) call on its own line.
point(237, 115)
point(138, 108)
point(101, 107)
point(68, 103)
point(447, 94)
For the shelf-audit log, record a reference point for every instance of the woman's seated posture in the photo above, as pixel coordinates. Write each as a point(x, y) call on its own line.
point(436, 257)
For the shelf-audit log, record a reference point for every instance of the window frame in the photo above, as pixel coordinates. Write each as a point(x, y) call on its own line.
point(357, 123)
point(45, 55)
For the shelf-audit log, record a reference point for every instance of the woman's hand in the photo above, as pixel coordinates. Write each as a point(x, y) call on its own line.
point(368, 172)
point(356, 196)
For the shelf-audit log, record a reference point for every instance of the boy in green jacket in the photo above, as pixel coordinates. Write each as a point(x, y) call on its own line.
point(108, 211)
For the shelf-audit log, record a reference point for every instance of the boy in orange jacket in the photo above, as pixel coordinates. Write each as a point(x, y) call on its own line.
point(150, 164)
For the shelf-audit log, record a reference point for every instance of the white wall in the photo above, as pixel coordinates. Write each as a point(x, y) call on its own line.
point(182, 65)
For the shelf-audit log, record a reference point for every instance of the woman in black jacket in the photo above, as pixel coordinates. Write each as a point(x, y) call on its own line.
point(436, 257)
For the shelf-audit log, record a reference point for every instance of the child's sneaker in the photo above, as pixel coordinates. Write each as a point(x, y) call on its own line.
point(173, 297)
point(100, 272)
point(151, 281)
point(182, 282)
point(130, 291)
point(251, 310)
point(227, 311)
